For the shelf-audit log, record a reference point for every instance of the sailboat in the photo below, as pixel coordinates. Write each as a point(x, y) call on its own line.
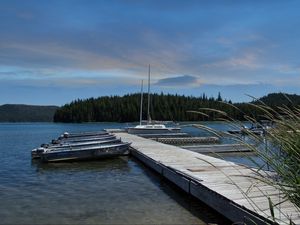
point(149, 127)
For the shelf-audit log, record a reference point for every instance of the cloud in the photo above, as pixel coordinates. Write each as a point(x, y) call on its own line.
point(247, 61)
point(75, 43)
point(185, 80)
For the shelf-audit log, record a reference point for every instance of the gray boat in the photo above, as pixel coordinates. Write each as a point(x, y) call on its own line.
point(37, 152)
point(150, 127)
point(83, 139)
point(84, 153)
point(83, 134)
point(153, 129)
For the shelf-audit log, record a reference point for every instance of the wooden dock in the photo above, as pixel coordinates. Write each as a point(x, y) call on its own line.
point(218, 148)
point(116, 130)
point(229, 188)
point(166, 135)
point(186, 140)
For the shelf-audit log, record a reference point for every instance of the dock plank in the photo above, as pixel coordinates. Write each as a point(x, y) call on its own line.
point(218, 148)
point(219, 183)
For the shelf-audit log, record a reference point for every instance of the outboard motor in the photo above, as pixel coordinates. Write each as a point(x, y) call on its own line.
point(44, 145)
point(40, 150)
point(37, 152)
point(66, 135)
point(55, 141)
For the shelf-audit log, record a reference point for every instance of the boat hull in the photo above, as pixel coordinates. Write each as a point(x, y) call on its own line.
point(82, 144)
point(37, 152)
point(84, 134)
point(85, 139)
point(85, 154)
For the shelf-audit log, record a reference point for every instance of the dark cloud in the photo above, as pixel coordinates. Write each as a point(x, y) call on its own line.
point(185, 80)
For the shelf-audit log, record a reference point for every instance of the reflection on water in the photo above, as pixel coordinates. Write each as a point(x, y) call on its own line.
point(193, 205)
point(120, 163)
point(112, 191)
point(251, 159)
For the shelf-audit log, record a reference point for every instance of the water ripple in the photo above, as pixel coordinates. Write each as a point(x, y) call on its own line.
point(117, 191)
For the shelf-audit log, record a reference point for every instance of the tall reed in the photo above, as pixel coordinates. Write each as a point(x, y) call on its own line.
point(281, 152)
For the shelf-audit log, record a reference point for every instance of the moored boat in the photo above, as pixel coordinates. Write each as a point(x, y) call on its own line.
point(37, 152)
point(150, 128)
point(85, 153)
point(256, 129)
point(248, 131)
point(84, 139)
point(83, 134)
point(84, 143)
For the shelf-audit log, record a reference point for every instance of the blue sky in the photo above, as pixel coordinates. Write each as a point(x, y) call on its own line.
point(52, 52)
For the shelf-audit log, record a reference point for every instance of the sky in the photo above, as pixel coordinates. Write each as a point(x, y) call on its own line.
point(53, 52)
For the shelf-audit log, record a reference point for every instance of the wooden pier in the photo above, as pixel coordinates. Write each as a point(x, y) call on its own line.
point(218, 148)
point(186, 140)
point(229, 188)
point(166, 135)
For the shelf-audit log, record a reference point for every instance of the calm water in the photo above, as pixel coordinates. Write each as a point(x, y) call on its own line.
point(115, 191)
point(248, 159)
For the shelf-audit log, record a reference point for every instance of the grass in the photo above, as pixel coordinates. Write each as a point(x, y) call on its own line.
point(281, 152)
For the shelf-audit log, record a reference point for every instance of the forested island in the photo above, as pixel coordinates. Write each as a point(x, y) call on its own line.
point(127, 108)
point(163, 107)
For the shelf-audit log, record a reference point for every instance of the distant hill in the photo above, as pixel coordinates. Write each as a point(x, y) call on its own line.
point(26, 113)
point(279, 99)
point(126, 108)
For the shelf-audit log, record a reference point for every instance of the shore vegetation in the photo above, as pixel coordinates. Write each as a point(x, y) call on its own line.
point(164, 107)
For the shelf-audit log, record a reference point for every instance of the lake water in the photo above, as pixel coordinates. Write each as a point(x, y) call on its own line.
point(114, 191)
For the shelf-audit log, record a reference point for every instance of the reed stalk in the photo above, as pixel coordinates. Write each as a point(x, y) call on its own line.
point(281, 152)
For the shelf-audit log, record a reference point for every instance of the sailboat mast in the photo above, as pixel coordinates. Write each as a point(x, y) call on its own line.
point(148, 110)
point(141, 107)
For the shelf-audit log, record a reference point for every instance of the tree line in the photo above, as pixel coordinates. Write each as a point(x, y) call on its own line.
point(26, 113)
point(162, 107)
